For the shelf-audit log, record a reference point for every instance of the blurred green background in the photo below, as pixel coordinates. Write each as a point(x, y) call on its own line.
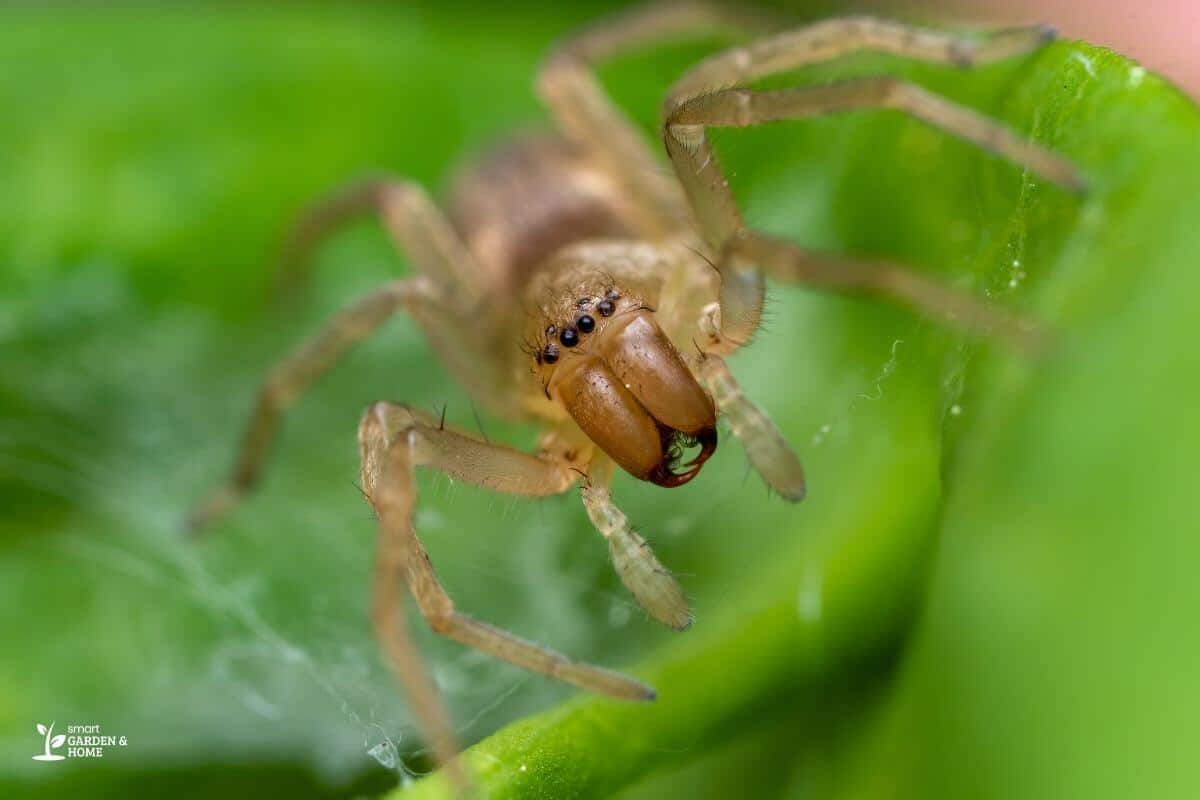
point(988, 593)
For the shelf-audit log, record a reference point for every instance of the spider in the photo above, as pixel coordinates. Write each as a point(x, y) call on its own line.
point(602, 293)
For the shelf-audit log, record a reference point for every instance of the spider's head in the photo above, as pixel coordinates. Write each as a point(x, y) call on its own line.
point(623, 382)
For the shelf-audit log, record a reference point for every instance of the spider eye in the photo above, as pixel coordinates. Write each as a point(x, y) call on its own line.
point(569, 337)
point(611, 294)
point(550, 354)
point(583, 302)
point(552, 330)
point(606, 308)
point(586, 323)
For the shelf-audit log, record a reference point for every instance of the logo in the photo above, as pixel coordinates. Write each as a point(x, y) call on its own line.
point(50, 743)
point(82, 741)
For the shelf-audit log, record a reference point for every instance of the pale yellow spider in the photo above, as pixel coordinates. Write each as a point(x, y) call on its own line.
point(601, 294)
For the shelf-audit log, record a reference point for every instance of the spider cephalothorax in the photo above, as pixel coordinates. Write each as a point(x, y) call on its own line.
point(607, 263)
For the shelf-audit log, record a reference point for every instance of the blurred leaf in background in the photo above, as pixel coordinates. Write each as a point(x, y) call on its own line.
point(986, 594)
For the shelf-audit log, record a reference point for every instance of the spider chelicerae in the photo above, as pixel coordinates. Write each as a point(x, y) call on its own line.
point(603, 292)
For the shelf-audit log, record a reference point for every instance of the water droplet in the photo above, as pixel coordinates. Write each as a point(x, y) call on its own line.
point(955, 410)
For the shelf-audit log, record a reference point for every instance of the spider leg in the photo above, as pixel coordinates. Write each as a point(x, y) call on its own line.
point(768, 452)
point(703, 98)
point(655, 588)
point(391, 629)
point(394, 440)
point(316, 223)
point(832, 38)
point(708, 189)
point(740, 108)
point(588, 118)
point(746, 254)
point(787, 262)
point(410, 216)
point(294, 374)
point(446, 289)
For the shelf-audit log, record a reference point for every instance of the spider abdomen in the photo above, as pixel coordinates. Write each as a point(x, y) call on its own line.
point(527, 199)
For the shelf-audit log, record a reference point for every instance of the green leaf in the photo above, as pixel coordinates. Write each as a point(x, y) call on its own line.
point(987, 591)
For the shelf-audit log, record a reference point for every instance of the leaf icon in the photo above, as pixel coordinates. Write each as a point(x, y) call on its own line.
point(41, 729)
point(58, 740)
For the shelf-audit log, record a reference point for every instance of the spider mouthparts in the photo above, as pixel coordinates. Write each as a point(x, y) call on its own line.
point(665, 475)
point(707, 439)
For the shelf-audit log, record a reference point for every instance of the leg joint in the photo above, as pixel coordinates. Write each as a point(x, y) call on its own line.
point(441, 623)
